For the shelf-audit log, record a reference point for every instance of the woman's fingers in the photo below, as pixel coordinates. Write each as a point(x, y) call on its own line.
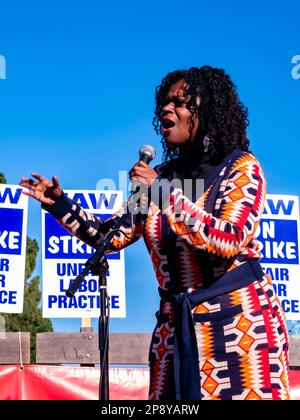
point(140, 165)
point(28, 181)
point(141, 171)
point(138, 173)
point(27, 185)
point(29, 194)
point(55, 181)
point(136, 177)
point(41, 188)
point(38, 176)
point(144, 168)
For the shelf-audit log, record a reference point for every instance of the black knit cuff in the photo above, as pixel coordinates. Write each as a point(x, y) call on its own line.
point(61, 207)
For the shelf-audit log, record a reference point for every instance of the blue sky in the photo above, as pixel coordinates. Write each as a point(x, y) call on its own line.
point(79, 95)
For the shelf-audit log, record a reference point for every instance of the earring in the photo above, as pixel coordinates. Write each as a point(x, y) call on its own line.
point(206, 142)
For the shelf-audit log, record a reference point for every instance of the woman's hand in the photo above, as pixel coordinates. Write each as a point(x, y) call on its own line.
point(43, 190)
point(141, 172)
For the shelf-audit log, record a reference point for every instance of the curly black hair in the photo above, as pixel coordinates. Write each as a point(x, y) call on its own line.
point(221, 115)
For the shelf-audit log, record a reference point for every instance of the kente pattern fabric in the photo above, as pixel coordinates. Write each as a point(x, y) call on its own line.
point(241, 335)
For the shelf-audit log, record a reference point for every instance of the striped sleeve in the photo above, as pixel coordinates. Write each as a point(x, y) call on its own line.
point(91, 229)
point(238, 215)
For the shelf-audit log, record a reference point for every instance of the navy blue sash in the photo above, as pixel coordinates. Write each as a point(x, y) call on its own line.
point(186, 358)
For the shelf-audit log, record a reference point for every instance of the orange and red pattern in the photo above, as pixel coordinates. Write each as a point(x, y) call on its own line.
point(242, 355)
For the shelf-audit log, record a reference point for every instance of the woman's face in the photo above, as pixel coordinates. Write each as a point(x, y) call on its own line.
point(176, 117)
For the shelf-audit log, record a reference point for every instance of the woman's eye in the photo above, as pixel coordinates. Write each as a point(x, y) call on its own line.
point(178, 102)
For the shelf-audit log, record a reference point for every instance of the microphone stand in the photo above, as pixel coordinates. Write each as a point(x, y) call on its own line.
point(98, 265)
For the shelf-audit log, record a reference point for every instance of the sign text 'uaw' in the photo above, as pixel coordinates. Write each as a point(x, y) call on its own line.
point(64, 256)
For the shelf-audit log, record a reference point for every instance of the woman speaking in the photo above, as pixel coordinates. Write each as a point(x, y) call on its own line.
point(220, 331)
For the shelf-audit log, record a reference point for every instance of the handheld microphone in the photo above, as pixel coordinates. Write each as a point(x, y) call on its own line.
point(147, 153)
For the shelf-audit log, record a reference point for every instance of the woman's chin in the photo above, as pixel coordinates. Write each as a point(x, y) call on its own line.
point(172, 142)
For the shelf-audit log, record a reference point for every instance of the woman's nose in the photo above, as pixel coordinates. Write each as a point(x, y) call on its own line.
point(169, 107)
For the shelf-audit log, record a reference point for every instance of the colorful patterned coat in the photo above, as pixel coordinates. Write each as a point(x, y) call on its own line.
point(241, 335)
